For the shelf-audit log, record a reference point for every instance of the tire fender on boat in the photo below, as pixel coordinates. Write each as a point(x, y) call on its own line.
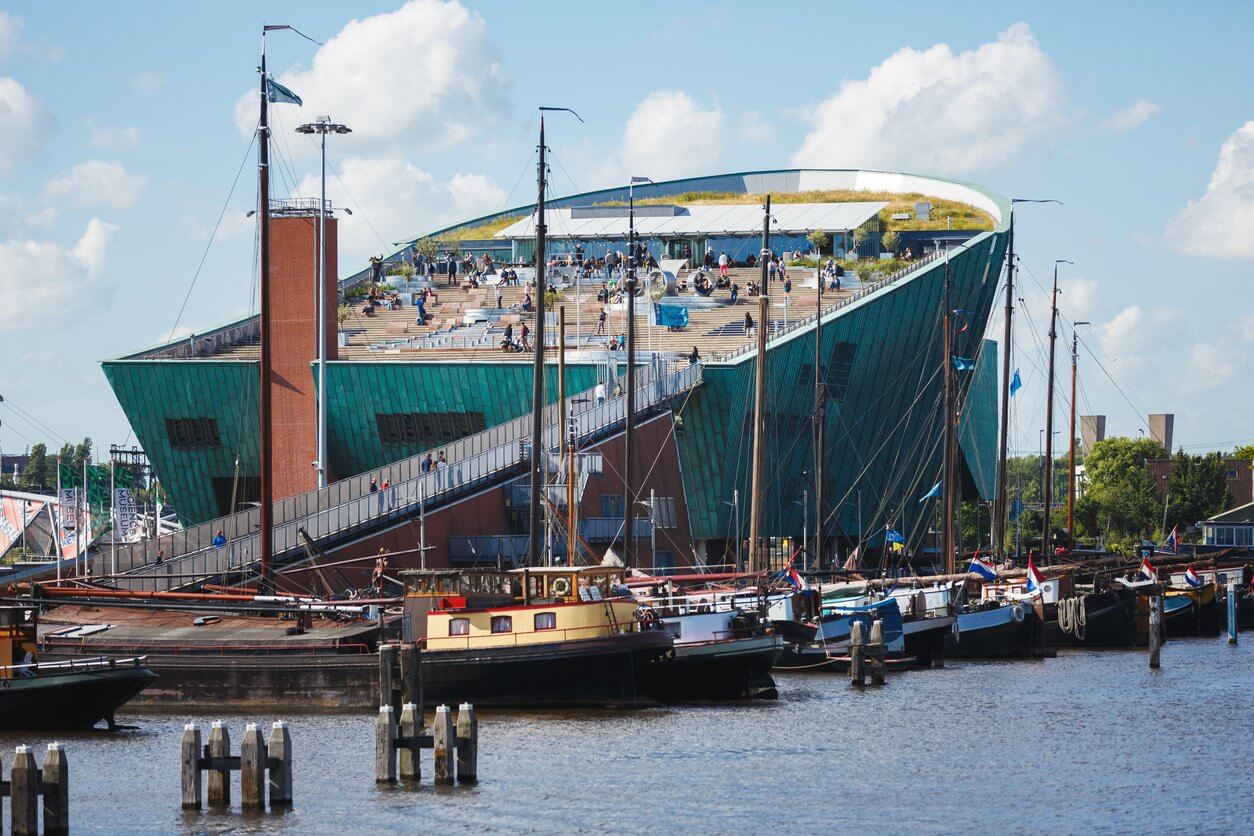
point(1016, 613)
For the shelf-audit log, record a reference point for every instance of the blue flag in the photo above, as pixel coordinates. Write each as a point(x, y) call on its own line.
point(932, 494)
point(894, 536)
point(671, 316)
point(963, 364)
point(277, 93)
point(1015, 384)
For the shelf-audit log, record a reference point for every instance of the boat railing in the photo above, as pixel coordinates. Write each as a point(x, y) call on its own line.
point(490, 640)
point(71, 665)
point(406, 497)
point(220, 649)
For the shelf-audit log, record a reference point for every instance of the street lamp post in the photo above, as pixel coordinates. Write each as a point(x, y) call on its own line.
point(322, 127)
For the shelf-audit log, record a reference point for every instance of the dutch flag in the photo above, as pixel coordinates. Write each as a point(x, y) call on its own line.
point(1172, 542)
point(1148, 571)
point(794, 578)
point(1034, 577)
point(979, 567)
point(1191, 578)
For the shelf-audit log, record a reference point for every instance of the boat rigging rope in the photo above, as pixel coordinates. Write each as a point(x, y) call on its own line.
point(1072, 616)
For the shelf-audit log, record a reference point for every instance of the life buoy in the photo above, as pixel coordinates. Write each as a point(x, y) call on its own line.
point(1016, 613)
point(648, 618)
point(560, 587)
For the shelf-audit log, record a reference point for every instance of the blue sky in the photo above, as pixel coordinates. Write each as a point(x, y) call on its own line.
point(125, 129)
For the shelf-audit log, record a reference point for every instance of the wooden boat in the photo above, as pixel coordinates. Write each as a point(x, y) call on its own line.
point(1075, 615)
point(997, 630)
point(59, 695)
point(544, 637)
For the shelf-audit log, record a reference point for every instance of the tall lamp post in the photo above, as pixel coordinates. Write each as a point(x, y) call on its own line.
point(322, 127)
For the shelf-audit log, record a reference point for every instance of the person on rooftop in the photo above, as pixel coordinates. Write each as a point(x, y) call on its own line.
point(507, 344)
point(374, 484)
point(599, 393)
point(427, 463)
point(723, 262)
point(735, 292)
point(694, 357)
point(523, 334)
point(601, 318)
point(748, 324)
point(527, 303)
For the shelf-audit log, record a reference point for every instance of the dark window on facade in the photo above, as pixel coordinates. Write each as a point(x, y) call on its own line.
point(664, 563)
point(427, 428)
point(546, 621)
point(612, 505)
point(1232, 474)
point(502, 624)
point(192, 433)
point(839, 369)
point(246, 491)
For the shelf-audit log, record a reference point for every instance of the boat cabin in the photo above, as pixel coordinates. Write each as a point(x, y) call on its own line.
point(1052, 590)
point(17, 639)
point(473, 608)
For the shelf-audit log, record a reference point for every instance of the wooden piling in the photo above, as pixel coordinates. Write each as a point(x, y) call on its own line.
point(385, 746)
point(877, 650)
point(219, 779)
point(467, 744)
point(444, 742)
point(24, 793)
point(857, 657)
point(56, 790)
point(411, 727)
point(279, 757)
point(190, 756)
point(411, 676)
point(387, 678)
point(1232, 613)
point(1155, 629)
point(252, 769)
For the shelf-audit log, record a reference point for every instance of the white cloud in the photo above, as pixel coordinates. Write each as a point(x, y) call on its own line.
point(111, 137)
point(146, 83)
point(1215, 223)
point(940, 111)
point(10, 31)
point(1127, 118)
point(424, 76)
point(97, 183)
point(400, 200)
point(25, 121)
point(754, 128)
point(1079, 297)
point(1209, 366)
point(669, 135)
point(1133, 334)
point(43, 275)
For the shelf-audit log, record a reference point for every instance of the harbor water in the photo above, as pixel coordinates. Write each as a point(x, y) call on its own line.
point(1089, 741)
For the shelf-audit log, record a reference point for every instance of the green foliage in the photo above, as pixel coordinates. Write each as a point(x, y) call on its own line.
point(859, 237)
point(865, 272)
point(552, 296)
point(37, 473)
point(1245, 452)
point(819, 239)
point(1120, 501)
point(344, 313)
point(1198, 488)
point(890, 241)
point(428, 246)
point(406, 270)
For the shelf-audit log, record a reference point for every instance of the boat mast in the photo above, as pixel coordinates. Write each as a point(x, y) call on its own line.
point(1047, 488)
point(537, 369)
point(999, 512)
point(820, 405)
point(629, 430)
point(947, 535)
point(263, 219)
point(759, 400)
point(1071, 445)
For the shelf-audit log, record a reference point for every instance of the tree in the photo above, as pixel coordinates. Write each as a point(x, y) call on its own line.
point(35, 474)
point(890, 241)
point(819, 239)
point(1245, 453)
point(1198, 488)
point(1120, 499)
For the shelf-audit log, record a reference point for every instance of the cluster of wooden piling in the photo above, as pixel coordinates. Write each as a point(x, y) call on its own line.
point(867, 658)
point(399, 729)
point(261, 766)
point(27, 784)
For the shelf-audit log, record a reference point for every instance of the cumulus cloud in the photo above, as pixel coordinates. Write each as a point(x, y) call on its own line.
point(1214, 223)
point(937, 110)
point(43, 274)
point(25, 120)
point(1127, 118)
point(1134, 333)
point(400, 200)
point(111, 137)
point(1209, 366)
point(754, 128)
point(1079, 297)
point(96, 183)
point(424, 76)
point(670, 134)
point(10, 31)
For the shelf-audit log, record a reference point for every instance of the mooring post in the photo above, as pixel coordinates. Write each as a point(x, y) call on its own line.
point(411, 676)
point(24, 793)
point(1232, 612)
point(387, 677)
point(857, 657)
point(467, 744)
point(876, 650)
point(1155, 628)
point(56, 790)
point(385, 746)
point(279, 760)
point(190, 752)
point(411, 727)
point(219, 779)
point(252, 769)
point(444, 742)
